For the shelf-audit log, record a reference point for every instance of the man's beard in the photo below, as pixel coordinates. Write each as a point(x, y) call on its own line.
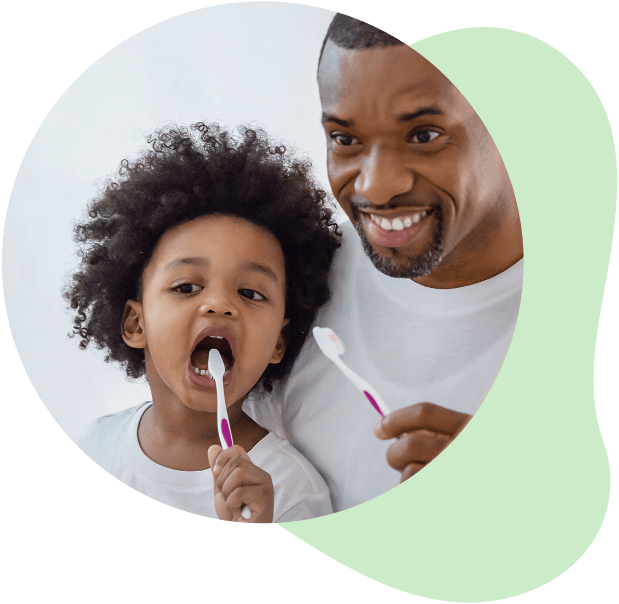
point(406, 268)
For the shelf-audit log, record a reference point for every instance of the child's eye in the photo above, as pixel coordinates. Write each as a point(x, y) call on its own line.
point(187, 288)
point(251, 294)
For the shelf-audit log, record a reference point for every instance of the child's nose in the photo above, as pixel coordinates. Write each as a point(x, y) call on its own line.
point(218, 303)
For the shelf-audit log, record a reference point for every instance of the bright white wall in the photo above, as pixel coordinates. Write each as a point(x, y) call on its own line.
point(237, 63)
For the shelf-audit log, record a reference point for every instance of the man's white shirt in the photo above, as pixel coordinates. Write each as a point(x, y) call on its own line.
point(412, 343)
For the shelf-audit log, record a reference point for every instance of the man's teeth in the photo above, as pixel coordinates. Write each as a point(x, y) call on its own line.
point(205, 372)
point(397, 224)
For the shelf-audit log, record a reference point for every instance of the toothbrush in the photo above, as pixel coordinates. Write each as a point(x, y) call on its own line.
point(332, 347)
point(217, 368)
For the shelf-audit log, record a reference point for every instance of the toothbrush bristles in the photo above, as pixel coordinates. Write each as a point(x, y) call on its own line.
point(339, 345)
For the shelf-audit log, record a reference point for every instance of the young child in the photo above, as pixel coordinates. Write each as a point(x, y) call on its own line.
point(205, 241)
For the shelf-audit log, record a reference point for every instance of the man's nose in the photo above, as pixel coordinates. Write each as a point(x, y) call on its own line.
point(384, 174)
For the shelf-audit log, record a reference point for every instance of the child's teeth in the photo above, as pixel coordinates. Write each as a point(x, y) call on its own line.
point(205, 373)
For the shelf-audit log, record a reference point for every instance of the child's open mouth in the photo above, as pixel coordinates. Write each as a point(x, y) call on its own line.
point(199, 356)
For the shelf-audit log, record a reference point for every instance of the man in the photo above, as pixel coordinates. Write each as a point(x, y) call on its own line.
point(426, 298)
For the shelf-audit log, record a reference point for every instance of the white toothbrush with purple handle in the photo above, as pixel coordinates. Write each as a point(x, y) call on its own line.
point(217, 368)
point(332, 347)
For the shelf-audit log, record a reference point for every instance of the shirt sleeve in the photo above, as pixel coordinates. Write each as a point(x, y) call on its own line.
point(300, 491)
point(310, 507)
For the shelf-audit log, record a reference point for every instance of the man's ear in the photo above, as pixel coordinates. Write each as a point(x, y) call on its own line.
point(280, 347)
point(132, 326)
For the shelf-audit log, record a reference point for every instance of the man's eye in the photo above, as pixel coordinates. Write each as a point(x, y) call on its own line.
point(251, 294)
point(187, 288)
point(423, 136)
point(346, 140)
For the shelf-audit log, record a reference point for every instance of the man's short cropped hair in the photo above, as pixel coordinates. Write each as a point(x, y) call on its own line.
point(350, 33)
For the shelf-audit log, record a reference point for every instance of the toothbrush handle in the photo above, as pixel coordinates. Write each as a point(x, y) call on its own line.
point(223, 428)
point(246, 512)
point(365, 388)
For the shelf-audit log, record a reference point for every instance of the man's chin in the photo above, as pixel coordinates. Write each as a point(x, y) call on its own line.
point(404, 267)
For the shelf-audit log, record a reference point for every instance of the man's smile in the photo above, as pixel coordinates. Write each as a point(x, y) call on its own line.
point(394, 228)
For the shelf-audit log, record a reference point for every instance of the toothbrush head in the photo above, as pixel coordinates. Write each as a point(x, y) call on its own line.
point(216, 365)
point(328, 341)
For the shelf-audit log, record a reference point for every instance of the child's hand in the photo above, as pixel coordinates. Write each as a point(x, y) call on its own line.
point(239, 482)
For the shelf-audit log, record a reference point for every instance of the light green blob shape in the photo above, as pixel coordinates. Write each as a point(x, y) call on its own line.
point(520, 496)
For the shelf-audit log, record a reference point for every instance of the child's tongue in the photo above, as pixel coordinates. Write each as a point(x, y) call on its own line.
point(199, 359)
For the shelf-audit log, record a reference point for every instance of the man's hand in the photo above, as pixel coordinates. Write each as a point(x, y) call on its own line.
point(239, 482)
point(423, 431)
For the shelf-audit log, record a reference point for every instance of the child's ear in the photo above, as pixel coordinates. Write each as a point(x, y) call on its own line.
point(280, 347)
point(132, 326)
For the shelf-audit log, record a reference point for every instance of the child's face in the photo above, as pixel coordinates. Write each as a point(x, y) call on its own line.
point(218, 278)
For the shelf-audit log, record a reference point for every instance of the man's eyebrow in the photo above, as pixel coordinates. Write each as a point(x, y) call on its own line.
point(406, 117)
point(191, 261)
point(326, 117)
point(409, 117)
point(256, 267)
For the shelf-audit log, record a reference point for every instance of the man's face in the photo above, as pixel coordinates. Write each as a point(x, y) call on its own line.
point(409, 160)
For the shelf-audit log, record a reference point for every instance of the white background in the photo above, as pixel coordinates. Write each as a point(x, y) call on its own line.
point(253, 63)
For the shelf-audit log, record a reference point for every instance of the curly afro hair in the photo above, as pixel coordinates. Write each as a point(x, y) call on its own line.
point(182, 174)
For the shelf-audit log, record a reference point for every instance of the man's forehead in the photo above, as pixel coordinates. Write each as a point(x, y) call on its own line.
point(401, 70)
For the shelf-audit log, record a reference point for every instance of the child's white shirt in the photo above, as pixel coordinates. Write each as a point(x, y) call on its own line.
point(112, 441)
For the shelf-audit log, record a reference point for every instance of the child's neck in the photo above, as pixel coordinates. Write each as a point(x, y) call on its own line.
point(178, 437)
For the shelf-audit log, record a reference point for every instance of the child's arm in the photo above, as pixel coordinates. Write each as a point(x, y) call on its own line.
point(239, 482)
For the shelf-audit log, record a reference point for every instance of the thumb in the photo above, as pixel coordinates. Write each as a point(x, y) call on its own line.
point(213, 454)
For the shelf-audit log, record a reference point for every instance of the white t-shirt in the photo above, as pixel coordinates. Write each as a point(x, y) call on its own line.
point(112, 441)
point(412, 343)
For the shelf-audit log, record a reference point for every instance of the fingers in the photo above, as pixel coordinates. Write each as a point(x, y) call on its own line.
point(419, 447)
point(256, 498)
point(223, 456)
point(410, 470)
point(422, 431)
point(422, 416)
point(234, 467)
point(239, 482)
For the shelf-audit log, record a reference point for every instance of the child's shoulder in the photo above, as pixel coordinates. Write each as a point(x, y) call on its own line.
point(111, 421)
point(108, 431)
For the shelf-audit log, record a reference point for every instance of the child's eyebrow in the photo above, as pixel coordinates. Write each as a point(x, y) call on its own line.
point(255, 267)
point(191, 261)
